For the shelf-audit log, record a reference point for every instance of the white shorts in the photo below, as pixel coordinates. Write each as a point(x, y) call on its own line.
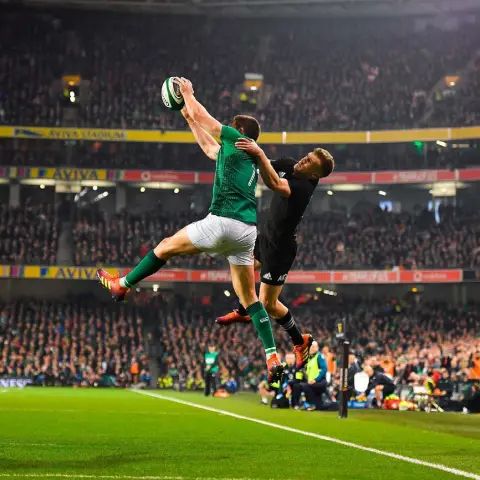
point(224, 236)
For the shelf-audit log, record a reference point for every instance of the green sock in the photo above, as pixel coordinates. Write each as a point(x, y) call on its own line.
point(148, 265)
point(261, 320)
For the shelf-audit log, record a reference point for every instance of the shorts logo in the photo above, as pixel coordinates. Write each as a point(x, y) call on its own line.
point(267, 276)
point(282, 278)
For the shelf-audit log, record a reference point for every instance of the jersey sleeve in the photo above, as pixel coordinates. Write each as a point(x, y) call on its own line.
point(230, 134)
point(283, 164)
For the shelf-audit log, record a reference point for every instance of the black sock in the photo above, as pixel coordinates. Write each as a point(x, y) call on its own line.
point(288, 324)
point(242, 310)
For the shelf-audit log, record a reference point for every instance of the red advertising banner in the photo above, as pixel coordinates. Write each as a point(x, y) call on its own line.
point(206, 178)
point(165, 275)
point(213, 276)
point(365, 276)
point(469, 175)
point(157, 176)
point(431, 276)
point(372, 178)
point(413, 176)
point(348, 177)
point(336, 277)
point(307, 276)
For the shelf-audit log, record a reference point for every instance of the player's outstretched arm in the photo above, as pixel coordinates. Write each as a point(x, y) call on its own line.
point(196, 110)
point(207, 143)
point(268, 173)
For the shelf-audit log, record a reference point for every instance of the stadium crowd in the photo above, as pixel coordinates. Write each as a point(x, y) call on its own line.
point(76, 343)
point(460, 108)
point(29, 234)
point(368, 238)
point(124, 239)
point(371, 239)
point(83, 342)
point(411, 343)
point(380, 81)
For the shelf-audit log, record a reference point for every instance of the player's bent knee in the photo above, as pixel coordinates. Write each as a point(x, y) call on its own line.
point(269, 304)
point(248, 298)
point(164, 249)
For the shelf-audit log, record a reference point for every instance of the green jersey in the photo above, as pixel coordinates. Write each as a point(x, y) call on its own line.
point(236, 177)
point(211, 360)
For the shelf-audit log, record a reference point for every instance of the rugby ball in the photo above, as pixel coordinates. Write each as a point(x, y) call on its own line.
point(171, 96)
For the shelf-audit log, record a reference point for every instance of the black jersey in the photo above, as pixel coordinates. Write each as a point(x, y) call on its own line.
point(285, 214)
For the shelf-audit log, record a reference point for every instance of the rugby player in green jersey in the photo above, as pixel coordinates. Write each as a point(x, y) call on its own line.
point(230, 227)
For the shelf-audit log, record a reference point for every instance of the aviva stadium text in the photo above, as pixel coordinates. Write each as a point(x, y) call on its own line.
point(105, 135)
point(71, 134)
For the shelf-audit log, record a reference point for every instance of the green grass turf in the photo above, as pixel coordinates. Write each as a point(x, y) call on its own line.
point(122, 433)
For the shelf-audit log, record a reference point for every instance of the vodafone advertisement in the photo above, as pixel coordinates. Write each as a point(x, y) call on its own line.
point(319, 277)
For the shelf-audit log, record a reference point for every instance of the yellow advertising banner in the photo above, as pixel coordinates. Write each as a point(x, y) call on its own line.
point(63, 174)
point(296, 138)
point(52, 273)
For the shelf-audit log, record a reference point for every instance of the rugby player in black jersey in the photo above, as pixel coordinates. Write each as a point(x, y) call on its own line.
point(293, 184)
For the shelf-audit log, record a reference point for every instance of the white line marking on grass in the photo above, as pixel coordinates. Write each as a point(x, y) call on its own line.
point(27, 444)
point(106, 412)
point(113, 477)
point(416, 461)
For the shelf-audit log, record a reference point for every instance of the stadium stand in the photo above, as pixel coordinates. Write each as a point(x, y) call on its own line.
point(123, 239)
point(28, 234)
point(372, 239)
point(83, 343)
point(74, 343)
point(461, 108)
point(381, 81)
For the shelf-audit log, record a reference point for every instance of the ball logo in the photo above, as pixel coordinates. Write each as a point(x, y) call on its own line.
point(171, 95)
point(176, 90)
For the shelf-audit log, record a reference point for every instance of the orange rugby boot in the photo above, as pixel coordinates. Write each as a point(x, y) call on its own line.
point(301, 351)
point(275, 369)
point(233, 317)
point(112, 283)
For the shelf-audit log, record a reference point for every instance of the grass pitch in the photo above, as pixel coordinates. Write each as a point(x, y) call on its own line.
point(67, 433)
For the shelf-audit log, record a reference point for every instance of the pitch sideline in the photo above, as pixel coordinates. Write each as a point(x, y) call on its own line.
point(110, 477)
point(436, 466)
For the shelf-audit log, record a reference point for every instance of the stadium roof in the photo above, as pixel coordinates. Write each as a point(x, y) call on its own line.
point(270, 8)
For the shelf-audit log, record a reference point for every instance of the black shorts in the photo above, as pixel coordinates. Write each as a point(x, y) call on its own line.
point(388, 390)
point(276, 260)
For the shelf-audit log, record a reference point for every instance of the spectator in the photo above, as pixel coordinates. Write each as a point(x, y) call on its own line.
point(28, 234)
point(70, 344)
point(373, 76)
point(367, 239)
